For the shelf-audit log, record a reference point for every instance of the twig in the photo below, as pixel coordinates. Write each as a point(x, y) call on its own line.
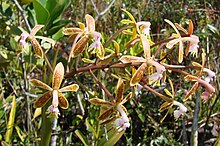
point(9, 82)
point(99, 14)
point(23, 15)
point(96, 10)
point(102, 86)
point(26, 83)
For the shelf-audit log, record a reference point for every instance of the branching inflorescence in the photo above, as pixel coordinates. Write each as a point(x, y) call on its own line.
point(143, 70)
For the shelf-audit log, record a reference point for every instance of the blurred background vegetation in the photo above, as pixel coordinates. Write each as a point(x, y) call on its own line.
point(146, 128)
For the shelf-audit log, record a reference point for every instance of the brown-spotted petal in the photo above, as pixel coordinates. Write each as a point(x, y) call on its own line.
point(128, 97)
point(119, 91)
point(40, 84)
point(58, 76)
point(90, 23)
point(73, 87)
point(100, 101)
point(37, 48)
point(165, 106)
point(190, 78)
point(130, 59)
point(138, 74)
point(42, 100)
point(106, 114)
point(123, 108)
point(63, 102)
point(108, 120)
point(80, 46)
point(71, 31)
point(146, 46)
point(180, 28)
point(191, 91)
point(36, 29)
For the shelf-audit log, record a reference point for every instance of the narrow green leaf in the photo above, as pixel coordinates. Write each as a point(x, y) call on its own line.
point(11, 121)
point(113, 138)
point(82, 137)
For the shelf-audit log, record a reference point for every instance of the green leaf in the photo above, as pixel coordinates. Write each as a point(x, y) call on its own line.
point(11, 121)
point(213, 29)
point(57, 26)
point(113, 137)
point(58, 35)
point(42, 14)
point(82, 138)
point(55, 8)
point(20, 133)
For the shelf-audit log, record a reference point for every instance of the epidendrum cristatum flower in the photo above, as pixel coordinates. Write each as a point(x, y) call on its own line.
point(86, 33)
point(121, 121)
point(142, 27)
point(55, 92)
point(192, 39)
point(168, 105)
point(209, 89)
point(37, 48)
point(148, 60)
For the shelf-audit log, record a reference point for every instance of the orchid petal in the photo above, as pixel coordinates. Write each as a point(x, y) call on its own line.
point(73, 87)
point(100, 102)
point(129, 96)
point(42, 100)
point(130, 59)
point(119, 91)
point(106, 114)
point(63, 102)
point(37, 48)
point(138, 75)
point(80, 46)
point(191, 91)
point(171, 43)
point(190, 28)
point(58, 76)
point(180, 58)
point(71, 31)
point(146, 46)
point(40, 84)
point(36, 29)
point(90, 22)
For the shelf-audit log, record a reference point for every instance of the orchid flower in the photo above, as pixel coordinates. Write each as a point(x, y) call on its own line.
point(209, 88)
point(86, 32)
point(205, 83)
point(55, 92)
point(142, 27)
point(145, 61)
point(121, 121)
point(194, 40)
point(37, 48)
point(177, 113)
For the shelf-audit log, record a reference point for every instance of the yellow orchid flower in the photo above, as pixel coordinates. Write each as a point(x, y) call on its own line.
point(55, 92)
